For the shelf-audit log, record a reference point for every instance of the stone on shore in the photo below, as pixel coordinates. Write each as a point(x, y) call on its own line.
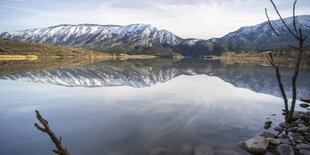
point(162, 151)
point(278, 129)
point(284, 140)
point(304, 152)
point(256, 145)
point(267, 124)
point(274, 141)
point(266, 134)
point(226, 152)
point(303, 146)
point(187, 150)
point(304, 105)
point(203, 150)
point(285, 149)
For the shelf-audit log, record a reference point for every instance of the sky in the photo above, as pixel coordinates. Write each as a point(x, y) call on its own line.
point(186, 18)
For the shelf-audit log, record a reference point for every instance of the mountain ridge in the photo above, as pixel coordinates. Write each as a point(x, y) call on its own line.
point(128, 38)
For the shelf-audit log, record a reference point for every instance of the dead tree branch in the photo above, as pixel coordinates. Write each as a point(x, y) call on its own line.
point(294, 17)
point(274, 65)
point(276, 33)
point(294, 79)
point(298, 35)
point(46, 129)
point(286, 26)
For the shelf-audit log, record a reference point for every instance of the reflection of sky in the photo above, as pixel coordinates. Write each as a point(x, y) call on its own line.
point(186, 110)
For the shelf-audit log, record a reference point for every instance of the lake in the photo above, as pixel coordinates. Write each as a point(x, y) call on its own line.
point(137, 107)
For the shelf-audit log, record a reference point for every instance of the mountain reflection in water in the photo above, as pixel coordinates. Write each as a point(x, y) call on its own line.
point(146, 73)
point(178, 103)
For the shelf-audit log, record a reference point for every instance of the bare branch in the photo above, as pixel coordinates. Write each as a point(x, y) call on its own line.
point(270, 58)
point(295, 75)
point(294, 18)
point(39, 128)
point(276, 9)
point(270, 24)
point(275, 32)
point(274, 65)
point(46, 129)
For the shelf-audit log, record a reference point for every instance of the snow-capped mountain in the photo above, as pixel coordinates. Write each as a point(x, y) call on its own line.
point(128, 38)
point(261, 36)
point(90, 34)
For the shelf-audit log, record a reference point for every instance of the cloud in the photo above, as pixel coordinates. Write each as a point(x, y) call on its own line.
point(186, 18)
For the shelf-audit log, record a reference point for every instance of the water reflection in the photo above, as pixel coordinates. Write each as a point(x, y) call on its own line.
point(146, 73)
point(178, 103)
point(187, 110)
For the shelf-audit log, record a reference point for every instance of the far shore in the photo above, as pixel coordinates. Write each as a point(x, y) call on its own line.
point(251, 58)
point(98, 57)
point(19, 57)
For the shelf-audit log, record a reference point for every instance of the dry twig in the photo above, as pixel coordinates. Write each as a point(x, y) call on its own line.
point(46, 129)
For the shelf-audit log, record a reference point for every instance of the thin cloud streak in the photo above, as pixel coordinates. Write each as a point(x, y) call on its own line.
point(188, 19)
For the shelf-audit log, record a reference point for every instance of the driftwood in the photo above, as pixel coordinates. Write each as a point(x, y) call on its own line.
point(46, 129)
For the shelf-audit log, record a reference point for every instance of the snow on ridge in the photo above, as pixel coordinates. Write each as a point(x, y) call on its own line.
point(66, 34)
point(82, 77)
point(303, 20)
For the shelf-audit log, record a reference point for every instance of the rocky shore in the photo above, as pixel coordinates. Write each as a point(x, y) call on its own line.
point(193, 150)
point(292, 138)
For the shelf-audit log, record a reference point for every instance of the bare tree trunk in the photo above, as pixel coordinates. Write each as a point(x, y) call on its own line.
point(278, 75)
point(299, 37)
point(294, 79)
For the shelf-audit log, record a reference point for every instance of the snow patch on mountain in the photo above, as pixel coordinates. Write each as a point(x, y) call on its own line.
point(87, 77)
point(88, 34)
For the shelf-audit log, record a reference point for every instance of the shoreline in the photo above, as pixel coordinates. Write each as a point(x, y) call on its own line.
point(18, 57)
point(15, 57)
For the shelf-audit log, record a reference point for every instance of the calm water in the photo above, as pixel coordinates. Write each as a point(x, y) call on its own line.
point(133, 107)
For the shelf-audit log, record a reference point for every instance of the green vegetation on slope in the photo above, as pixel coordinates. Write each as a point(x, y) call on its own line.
point(43, 50)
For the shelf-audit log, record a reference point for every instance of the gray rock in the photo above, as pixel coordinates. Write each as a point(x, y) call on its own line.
point(283, 125)
point(162, 151)
point(284, 141)
point(301, 125)
point(298, 138)
point(304, 105)
point(296, 115)
point(303, 129)
point(203, 150)
point(283, 136)
point(256, 145)
point(292, 130)
point(304, 152)
point(267, 124)
point(303, 146)
point(273, 141)
point(299, 121)
point(285, 149)
point(187, 150)
point(307, 138)
point(278, 129)
point(266, 134)
point(226, 152)
point(305, 117)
